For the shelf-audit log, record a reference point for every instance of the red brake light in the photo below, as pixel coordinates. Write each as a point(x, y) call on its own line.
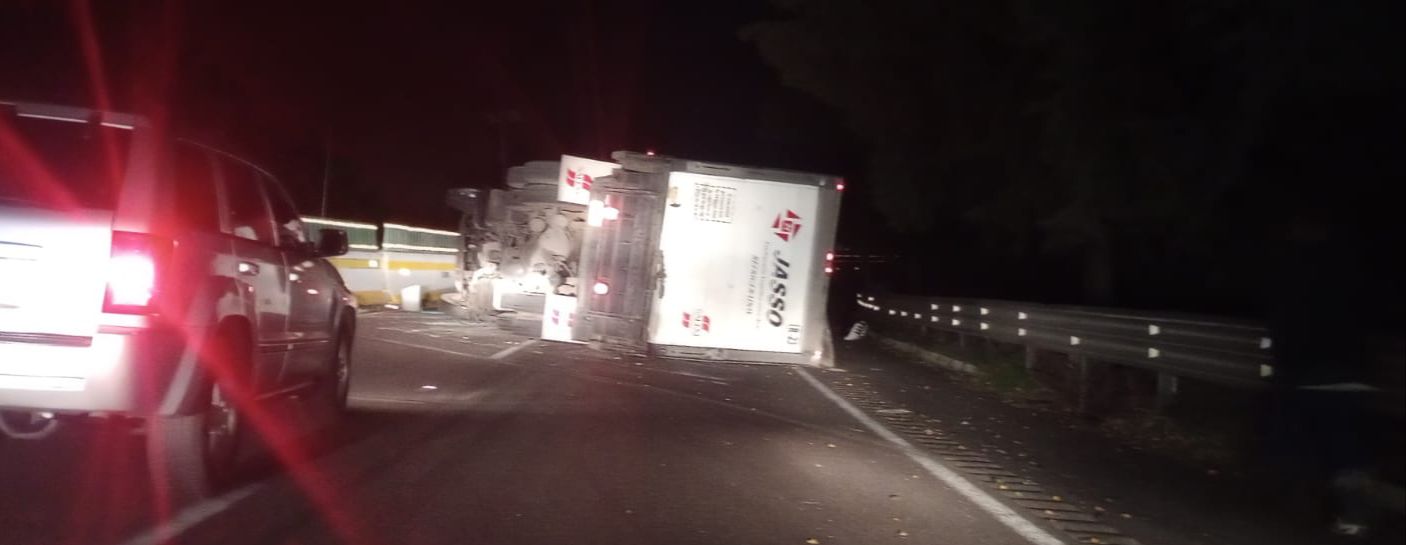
point(131, 273)
point(829, 262)
point(601, 288)
point(840, 184)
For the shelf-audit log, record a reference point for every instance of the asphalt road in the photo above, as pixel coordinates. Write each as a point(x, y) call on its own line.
point(468, 435)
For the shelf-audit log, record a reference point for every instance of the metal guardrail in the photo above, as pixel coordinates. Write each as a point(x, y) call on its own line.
point(1210, 349)
point(360, 236)
point(419, 239)
point(387, 236)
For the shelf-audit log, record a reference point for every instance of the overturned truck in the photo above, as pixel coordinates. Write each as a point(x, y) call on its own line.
point(675, 257)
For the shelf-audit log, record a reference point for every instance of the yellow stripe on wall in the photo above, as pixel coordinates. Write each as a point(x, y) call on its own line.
point(420, 265)
point(351, 263)
point(372, 297)
point(357, 263)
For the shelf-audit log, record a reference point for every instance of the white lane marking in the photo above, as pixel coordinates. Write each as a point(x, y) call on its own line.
point(433, 349)
point(512, 349)
point(192, 516)
point(986, 502)
point(713, 379)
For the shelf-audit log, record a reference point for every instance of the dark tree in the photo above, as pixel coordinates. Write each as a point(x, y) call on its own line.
point(1127, 138)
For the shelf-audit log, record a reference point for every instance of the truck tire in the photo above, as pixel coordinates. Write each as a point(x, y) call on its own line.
point(337, 385)
point(192, 456)
point(26, 425)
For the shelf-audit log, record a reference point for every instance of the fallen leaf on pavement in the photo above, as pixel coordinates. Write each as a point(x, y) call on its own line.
point(812, 541)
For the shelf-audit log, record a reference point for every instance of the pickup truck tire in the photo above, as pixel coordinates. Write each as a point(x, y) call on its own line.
point(26, 426)
point(338, 381)
point(192, 456)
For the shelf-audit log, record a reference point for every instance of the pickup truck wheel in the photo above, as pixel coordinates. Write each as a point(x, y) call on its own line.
point(338, 385)
point(27, 425)
point(191, 456)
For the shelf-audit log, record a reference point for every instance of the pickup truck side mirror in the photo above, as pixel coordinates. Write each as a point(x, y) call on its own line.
point(331, 242)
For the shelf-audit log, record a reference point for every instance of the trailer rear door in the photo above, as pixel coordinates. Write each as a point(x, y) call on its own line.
point(618, 276)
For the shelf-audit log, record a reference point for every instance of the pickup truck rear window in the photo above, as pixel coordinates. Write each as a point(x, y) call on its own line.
point(61, 164)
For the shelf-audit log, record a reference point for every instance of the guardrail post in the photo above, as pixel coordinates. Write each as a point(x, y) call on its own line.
point(1166, 390)
point(1030, 355)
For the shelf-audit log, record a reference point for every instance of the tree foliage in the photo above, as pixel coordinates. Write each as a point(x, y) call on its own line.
point(1116, 132)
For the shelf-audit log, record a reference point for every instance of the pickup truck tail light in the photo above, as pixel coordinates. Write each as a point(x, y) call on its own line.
point(134, 272)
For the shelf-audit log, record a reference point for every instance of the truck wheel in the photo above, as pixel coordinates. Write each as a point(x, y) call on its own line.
point(191, 456)
point(27, 425)
point(338, 385)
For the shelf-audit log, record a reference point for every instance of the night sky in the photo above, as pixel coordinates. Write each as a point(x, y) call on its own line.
point(1214, 157)
point(412, 101)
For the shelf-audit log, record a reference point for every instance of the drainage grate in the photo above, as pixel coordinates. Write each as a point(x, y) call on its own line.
point(1077, 522)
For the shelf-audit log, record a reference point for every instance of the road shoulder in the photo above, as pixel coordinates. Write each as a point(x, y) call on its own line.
point(1056, 466)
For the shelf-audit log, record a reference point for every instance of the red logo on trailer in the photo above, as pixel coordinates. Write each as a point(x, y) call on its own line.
point(578, 179)
point(787, 225)
point(698, 322)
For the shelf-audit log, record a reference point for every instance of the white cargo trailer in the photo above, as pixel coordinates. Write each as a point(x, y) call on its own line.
point(703, 260)
point(680, 258)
